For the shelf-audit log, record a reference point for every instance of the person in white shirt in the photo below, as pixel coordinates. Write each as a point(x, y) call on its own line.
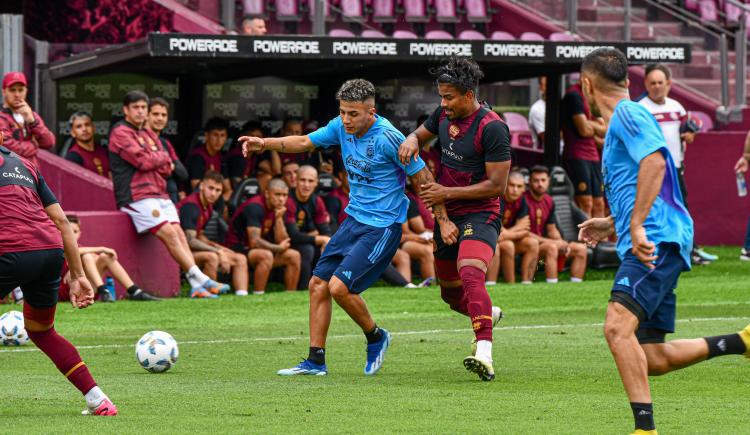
point(537, 112)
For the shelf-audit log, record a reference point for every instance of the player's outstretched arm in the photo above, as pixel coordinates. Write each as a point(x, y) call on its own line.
point(409, 148)
point(594, 230)
point(650, 178)
point(448, 230)
point(81, 292)
point(287, 144)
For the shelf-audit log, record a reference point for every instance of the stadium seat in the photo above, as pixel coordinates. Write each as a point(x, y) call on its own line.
point(520, 132)
point(404, 34)
point(704, 118)
point(561, 36)
point(500, 35)
point(438, 34)
point(384, 11)
point(254, 7)
point(708, 11)
point(692, 5)
point(288, 10)
point(531, 36)
point(415, 11)
point(371, 33)
point(471, 34)
point(341, 33)
point(352, 10)
point(247, 188)
point(569, 216)
point(476, 11)
point(732, 12)
point(445, 11)
point(216, 228)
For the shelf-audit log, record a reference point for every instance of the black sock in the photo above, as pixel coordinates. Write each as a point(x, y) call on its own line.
point(101, 288)
point(374, 336)
point(317, 355)
point(730, 344)
point(644, 415)
point(133, 289)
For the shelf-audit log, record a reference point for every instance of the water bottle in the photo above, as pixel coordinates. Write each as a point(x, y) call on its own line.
point(741, 184)
point(110, 284)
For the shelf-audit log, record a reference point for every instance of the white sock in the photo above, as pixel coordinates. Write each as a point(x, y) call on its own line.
point(95, 397)
point(241, 292)
point(196, 277)
point(259, 292)
point(526, 282)
point(574, 279)
point(484, 350)
point(551, 280)
point(490, 283)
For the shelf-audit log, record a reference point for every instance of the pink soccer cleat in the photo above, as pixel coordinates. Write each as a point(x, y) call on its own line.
point(104, 408)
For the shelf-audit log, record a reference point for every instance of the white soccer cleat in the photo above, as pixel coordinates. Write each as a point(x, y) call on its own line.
point(482, 367)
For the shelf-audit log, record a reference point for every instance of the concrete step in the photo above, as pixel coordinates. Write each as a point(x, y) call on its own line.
point(609, 13)
point(612, 31)
point(696, 42)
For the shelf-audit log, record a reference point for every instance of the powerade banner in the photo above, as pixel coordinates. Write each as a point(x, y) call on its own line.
point(185, 45)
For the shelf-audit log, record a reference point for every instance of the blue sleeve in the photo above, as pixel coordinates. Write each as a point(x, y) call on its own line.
point(393, 139)
point(639, 131)
point(327, 136)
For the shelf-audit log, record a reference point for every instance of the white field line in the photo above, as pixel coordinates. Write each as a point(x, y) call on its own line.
point(346, 336)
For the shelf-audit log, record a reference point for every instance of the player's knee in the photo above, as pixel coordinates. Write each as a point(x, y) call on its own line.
point(89, 258)
point(338, 289)
point(506, 247)
point(658, 365)
point(318, 287)
point(293, 257)
point(212, 260)
point(530, 245)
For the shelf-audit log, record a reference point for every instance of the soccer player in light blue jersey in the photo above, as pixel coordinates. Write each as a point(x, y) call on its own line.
point(365, 243)
point(655, 237)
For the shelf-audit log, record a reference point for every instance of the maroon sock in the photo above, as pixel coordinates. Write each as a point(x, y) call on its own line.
point(456, 298)
point(478, 301)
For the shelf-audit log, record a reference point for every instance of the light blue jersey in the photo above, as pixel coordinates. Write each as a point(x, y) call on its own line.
point(634, 134)
point(376, 176)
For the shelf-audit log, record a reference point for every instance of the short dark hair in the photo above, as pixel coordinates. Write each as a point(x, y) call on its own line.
point(609, 64)
point(539, 169)
point(289, 162)
point(250, 126)
point(73, 219)
point(250, 17)
point(660, 67)
point(79, 114)
point(461, 72)
point(134, 96)
point(216, 123)
point(213, 176)
point(356, 90)
point(158, 101)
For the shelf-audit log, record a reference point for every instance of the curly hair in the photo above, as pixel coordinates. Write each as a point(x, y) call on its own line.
point(356, 90)
point(461, 72)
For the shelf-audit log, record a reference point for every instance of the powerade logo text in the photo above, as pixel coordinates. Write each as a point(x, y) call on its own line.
point(365, 48)
point(439, 49)
point(656, 53)
point(576, 51)
point(513, 50)
point(203, 45)
point(18, 175)
point(286, 47)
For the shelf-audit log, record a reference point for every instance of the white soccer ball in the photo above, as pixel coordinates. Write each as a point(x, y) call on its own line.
point(156, 351)
point(12, 332)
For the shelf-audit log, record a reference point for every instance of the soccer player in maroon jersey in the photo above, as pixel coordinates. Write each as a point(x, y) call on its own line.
point(209, 156)
point(475, 145)
point(156, 121)
point(85, 151)
point(35, 241)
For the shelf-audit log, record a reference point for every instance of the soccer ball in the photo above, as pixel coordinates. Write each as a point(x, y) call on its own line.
point(12, 332)
point(156, 351)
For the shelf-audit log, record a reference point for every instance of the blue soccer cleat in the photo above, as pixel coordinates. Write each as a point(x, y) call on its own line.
point(201, 293)
point(376, 353)
point(305, 368)
point(216, 288)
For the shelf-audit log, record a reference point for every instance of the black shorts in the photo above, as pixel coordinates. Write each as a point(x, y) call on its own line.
point(482, 226)
point(36, 272)
point(586, 176)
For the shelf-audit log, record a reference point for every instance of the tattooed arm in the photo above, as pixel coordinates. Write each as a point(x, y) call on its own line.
point(448, 230)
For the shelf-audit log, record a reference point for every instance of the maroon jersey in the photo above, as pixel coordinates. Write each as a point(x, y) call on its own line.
point(467, 144)
point(513, 211)
point(418, 208)
point(238, 166)
point(199, 161)
point(193, 214)
point(541, 213)
point(299, 158)
point(25, 139)
point(139, 164)
point(309, 215)
point(254, 213)
point(96, 161)
point(24, 194)
point(576, 146)
point(336, 202)
point(431, 158)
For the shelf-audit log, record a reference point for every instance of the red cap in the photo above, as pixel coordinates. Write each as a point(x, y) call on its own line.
point(14, 77)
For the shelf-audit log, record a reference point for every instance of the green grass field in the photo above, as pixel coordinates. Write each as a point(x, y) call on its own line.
point(554, 371)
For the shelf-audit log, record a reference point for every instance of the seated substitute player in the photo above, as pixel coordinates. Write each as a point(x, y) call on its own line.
point(96, 262)
point(140, 166)
point(654, 239)
point(35, 241)
point(156, 121)
point(311, 231)
point(475, 146)
point(257, 165)
point(85, 151)
point(209, 156)
point(515, 237)
point(416, 241)
point(364, 244)
point(552, 248)
point(259, 229)
point(195, 211)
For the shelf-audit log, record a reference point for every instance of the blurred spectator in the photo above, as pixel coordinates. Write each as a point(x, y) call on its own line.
point(741, 167)
point(311, 230)
point(208, 157)
point(253, 25)
point(537, 114)
point(430, 152)
point(515, 237)
point(416, 241)
point(672, 119)
point(259, 229)
point(85, 151)
point(195, 212)
point(140, 167)
point(96, 262)
point(289, 174)
point(543, 227)
point(156, 121)
point(580, 153)
point(291, 127)
point(23, 129)
point(256, 165)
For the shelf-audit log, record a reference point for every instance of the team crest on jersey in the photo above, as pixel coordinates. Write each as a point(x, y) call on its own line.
point(582, 186)
point(300, 218)
point(453, 131)
point(141, 141)
point(155, 213)
point(468, 230)
point(370, 151)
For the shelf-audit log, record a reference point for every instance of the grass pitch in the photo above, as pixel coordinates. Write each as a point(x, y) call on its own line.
point(554, 371)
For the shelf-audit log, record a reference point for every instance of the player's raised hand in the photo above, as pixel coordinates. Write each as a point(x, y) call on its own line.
point(81, 292)
point(593, 231)
point(433, 194)
point(251, 144)
point(409, 149)
point(741, 165)
point(643, 249)
point(448, 231)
